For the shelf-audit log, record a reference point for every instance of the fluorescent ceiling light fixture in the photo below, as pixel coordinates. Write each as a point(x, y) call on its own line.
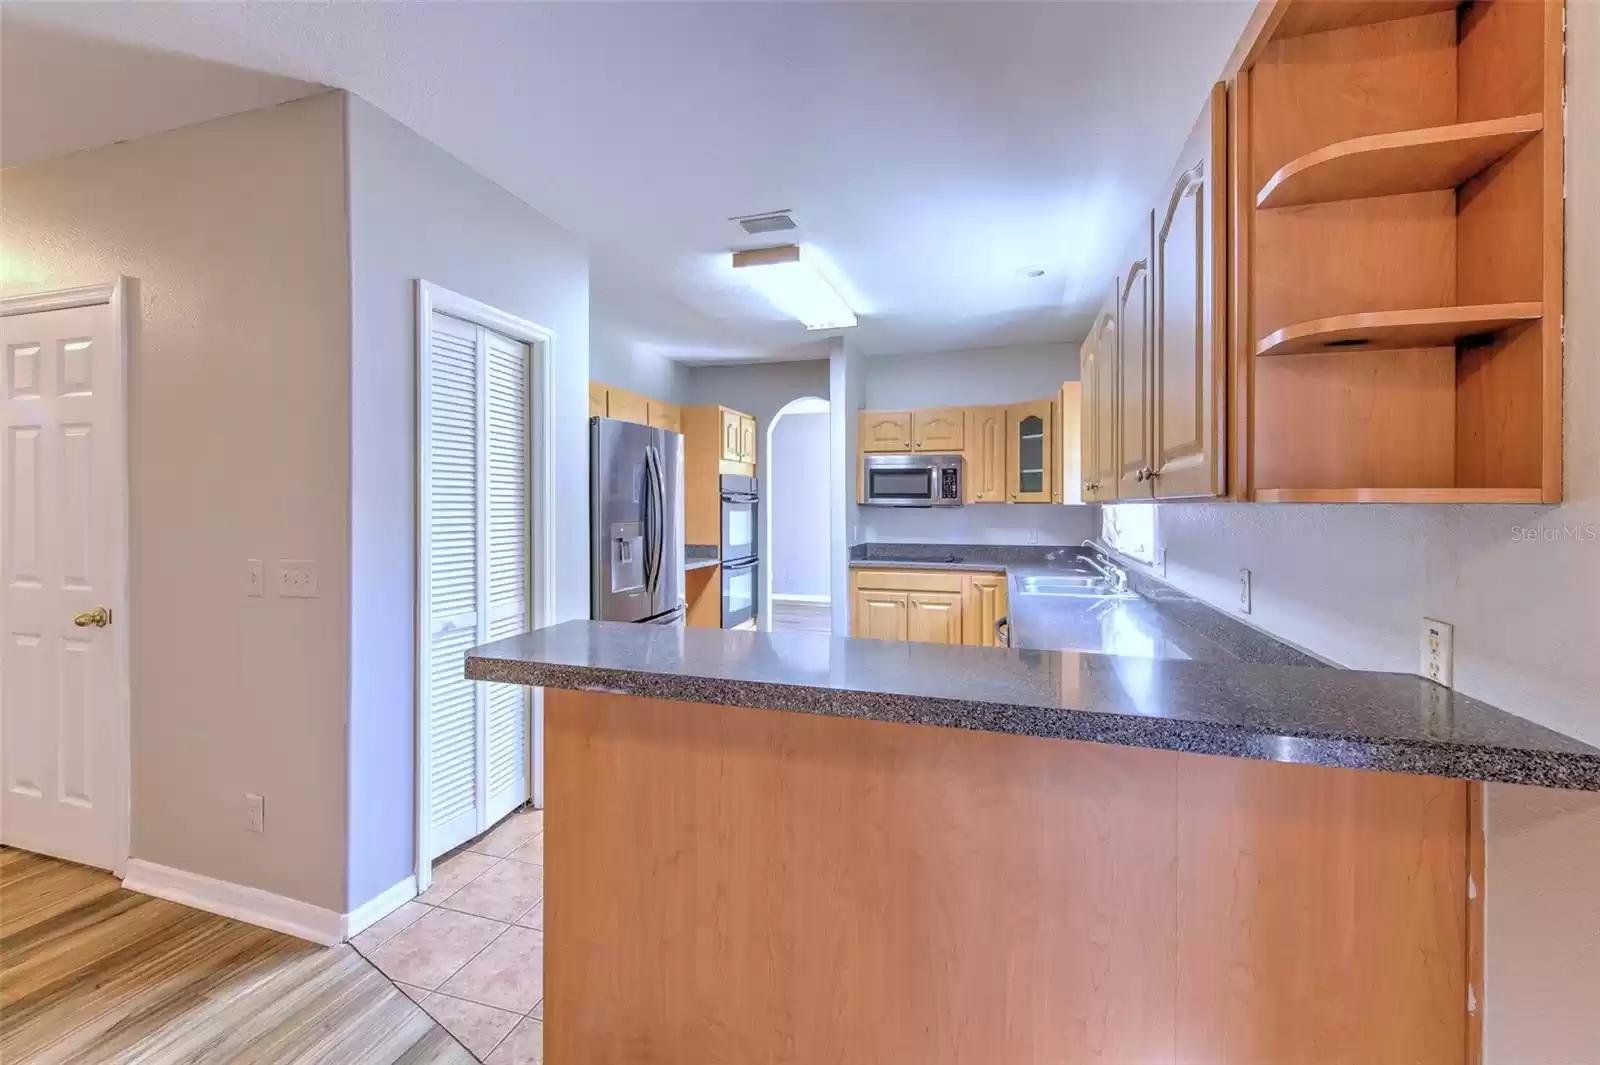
point(792, 282)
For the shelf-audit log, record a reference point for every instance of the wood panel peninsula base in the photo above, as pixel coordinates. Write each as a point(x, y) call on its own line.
point(732, 885)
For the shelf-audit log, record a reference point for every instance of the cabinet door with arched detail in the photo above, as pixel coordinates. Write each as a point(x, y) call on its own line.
point(1029, 464)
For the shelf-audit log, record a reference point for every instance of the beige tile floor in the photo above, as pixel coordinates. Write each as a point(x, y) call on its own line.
point(470, 949)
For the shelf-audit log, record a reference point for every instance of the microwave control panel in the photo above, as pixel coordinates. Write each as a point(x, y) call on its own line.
point(949, 483)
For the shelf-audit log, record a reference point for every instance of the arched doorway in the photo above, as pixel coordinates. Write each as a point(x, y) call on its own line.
point(796, 530)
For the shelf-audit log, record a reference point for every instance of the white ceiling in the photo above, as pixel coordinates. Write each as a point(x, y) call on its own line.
point(930, 149)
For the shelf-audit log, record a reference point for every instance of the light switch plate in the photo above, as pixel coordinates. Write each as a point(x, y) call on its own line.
point(297, 578)
point(255, 808)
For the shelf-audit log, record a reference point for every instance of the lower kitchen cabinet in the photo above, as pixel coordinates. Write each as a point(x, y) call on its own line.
point(983, 605)
point(927, 606)
point(878, 615)
point(933, 617)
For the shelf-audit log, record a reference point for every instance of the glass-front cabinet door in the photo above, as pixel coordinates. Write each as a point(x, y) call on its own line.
point(1029, 463)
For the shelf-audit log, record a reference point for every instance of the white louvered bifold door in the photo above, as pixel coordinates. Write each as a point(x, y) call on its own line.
point(509, 559)
point(477, 572)
point(451, 570)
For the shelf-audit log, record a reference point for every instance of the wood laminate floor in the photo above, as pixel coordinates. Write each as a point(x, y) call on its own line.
point(91, 974)
point(791, 616)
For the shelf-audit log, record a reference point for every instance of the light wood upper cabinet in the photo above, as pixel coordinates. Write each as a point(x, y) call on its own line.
point(985, 465)
point(933, 617)
point(983, 605)
point(627, 406)
point(732, 435)
point(1068, 417)
point(885, 431)
point(665, 416)
point(1103, 404)
point(1135, 313)
point(1029, 463)
point(597, 399)
point(1188, 371)
point(878, 615)
point(943, 430)
point(747, 439)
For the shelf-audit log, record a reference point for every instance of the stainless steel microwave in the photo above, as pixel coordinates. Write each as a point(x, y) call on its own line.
point(912, 481)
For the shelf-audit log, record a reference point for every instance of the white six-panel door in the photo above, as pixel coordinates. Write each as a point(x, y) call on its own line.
point(476, 572)
point(63, 784)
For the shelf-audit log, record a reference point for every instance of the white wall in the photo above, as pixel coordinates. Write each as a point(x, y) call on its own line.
point(798, 504)
point(239, 433)
point(1353, 582)
point(972, 378)
point(417, 212)
point(980, 523)
point(615, 358)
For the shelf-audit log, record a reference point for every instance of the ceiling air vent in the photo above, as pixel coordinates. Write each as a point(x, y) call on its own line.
point(772, 222)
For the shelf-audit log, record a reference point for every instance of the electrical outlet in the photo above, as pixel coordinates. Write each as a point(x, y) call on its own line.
point(255, 581)
point(1244, 591)
point(1438, 651)
point(1031, 536)
point(1161, 562)
point(297, 578)
point(255, 809)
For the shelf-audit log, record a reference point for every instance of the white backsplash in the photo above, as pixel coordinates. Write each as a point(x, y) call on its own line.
point(981, 523)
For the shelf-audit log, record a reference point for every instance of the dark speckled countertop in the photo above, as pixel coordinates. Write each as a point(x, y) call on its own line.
point(1316, 716)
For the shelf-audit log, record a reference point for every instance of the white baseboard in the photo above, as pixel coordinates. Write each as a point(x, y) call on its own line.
point(248, 904)
point(375, 909)
point(796, 597)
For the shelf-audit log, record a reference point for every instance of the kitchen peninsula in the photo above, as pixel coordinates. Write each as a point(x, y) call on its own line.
point(795, 848)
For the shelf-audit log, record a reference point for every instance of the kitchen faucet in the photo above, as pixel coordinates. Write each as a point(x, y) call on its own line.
point(1105, 567)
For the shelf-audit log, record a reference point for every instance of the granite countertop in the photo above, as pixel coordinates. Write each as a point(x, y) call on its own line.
point(700, 563)
point(1318, 716)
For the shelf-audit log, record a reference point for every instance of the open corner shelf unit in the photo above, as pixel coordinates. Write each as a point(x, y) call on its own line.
point(1429, 327)
point(1398, 495)
point(1393, 164)
point(1397, 181)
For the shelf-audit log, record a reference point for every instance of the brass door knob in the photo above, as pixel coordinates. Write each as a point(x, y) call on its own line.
point(99, 617)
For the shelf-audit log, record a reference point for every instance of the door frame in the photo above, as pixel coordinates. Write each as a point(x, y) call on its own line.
point(541, 597)
point(121, 296)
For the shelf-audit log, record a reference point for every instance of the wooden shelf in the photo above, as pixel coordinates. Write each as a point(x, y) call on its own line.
point(1430, 327)
point(1393, 164)
point(1320, 16)
point(1398, 495)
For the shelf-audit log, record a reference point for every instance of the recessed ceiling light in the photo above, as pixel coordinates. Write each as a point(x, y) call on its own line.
point(1031, 271)
point(791, 281)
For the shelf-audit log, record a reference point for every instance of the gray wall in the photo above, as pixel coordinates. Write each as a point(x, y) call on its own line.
point(239, 432)
point(417, 212)
point(973, 378)
point(616, 359)
point(798, 502)
point(845, 380)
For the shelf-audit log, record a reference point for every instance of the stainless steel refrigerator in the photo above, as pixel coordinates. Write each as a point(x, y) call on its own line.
point(635, 523)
